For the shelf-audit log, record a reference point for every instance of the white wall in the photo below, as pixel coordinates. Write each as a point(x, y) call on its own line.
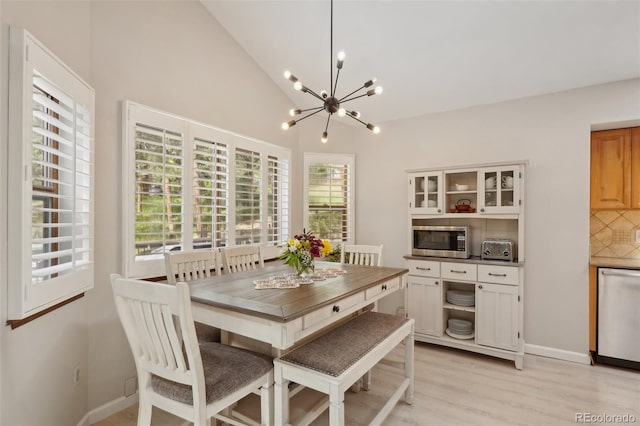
point(552, 132)
point(173, 56)
point(37, 361)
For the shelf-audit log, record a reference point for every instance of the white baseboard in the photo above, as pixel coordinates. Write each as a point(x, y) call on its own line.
point(557, 353)
point(106, 410)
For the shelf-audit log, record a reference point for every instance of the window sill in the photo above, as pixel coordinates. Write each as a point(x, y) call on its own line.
point(18, 323)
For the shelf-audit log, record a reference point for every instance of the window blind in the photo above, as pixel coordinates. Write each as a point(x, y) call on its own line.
point(51, 175)
point(248, 197)
point(328, 195)
point(61, 183)
point(210, 193)
point(158, 195)
point(277, 201)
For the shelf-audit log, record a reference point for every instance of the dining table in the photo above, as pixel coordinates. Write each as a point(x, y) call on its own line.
point(282, 318)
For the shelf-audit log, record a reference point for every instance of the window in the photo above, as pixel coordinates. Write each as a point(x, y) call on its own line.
point(51, 161)
point(329, 196)
point(192, 186)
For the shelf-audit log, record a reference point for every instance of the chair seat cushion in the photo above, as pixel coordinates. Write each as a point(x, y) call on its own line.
point(339, 349)
point(226, 369)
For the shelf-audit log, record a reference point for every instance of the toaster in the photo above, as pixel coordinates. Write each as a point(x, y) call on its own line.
point(498, 249)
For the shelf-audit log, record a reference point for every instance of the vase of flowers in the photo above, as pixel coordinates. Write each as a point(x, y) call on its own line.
point(302, 250)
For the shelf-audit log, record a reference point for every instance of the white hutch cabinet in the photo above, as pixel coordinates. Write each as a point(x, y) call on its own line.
point(495, 194)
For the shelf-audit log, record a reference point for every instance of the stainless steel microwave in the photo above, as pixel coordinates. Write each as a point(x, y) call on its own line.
point(440, 241)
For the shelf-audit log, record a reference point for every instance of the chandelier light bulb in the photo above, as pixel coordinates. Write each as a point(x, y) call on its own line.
point(342, 112)
point(285, 125)
point(287, 74)
point(341, 55)
point(379, 90)
point(297, 85)
point(292, 112)
point(325, 137)
point(374, 129)
point(324, 94)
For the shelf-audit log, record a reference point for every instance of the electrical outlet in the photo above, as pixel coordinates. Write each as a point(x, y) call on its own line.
point(76, 375)
point(130, 386)
point(636, 238)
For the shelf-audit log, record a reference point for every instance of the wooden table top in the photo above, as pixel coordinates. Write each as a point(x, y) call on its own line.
point(237, 292)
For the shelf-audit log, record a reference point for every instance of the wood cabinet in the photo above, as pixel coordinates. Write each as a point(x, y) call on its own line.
point(425, 305)
point(615, 169)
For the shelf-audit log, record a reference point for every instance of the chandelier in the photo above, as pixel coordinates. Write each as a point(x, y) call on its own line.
point(331, 103)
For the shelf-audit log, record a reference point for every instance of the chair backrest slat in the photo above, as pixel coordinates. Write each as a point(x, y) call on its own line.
point(358, 254)
point(192, 265)
point(242, 258)
point(158, 323)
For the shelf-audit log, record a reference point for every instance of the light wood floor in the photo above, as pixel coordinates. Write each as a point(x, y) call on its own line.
point(459, 388)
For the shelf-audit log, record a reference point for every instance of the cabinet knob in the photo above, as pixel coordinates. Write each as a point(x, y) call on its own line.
point(482, 210)
point(437, 283)
point(439, 210)
point(384, 286)
point(480, 286)
point(336, 308)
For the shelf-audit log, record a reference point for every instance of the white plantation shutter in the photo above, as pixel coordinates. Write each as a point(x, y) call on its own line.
point(210, 192)
point(277, 201)
point(329, 196)
point(190, 186)
point(159, 177)
point(51, 169)
point(248, 197)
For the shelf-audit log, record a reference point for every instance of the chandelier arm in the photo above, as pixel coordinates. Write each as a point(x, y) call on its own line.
point(328, 119)
point(355, 91)
point(309, 115)
point(311, 109)
point(357, 119)
point(336, 85)
point(314, 94)
point(355, 97)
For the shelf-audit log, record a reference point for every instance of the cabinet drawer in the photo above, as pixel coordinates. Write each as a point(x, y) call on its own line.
point(459, 271)
point(327, 313)
point(387, 287)
point(424, 268)
point(498, 274)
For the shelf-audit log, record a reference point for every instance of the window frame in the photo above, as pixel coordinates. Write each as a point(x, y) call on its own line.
point(329, 158)
point(153, 265)
point(28, 298)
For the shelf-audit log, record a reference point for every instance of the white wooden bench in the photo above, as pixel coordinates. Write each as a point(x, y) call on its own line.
point(335, 361)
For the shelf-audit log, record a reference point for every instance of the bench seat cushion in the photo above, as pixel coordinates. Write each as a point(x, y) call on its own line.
point(339, 349)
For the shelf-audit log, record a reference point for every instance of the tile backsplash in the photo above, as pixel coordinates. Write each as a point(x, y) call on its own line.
point(612, 233)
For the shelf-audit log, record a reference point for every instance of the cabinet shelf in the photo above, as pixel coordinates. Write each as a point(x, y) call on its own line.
point(470, 191)
point(459, 308)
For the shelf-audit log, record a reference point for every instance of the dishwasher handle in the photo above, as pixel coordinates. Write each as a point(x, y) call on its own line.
point(620, 273)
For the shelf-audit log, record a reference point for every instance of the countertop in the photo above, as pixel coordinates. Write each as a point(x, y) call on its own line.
point(472, 259)
point(614, 262)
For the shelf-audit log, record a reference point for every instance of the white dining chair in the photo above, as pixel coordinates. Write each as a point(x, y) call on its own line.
point(242, 258)
point(191, 381)
point(359, 254)
point(191, 265)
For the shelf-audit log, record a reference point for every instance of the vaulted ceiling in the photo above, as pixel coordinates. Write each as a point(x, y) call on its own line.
point(433, 56)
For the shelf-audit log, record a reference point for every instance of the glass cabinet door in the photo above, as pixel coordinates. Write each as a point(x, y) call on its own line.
point(499, 190)
point(425, 193)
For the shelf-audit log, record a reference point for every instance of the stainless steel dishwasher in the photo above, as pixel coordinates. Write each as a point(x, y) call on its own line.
point(619, 317)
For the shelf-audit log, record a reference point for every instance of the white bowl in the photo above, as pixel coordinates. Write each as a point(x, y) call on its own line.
point(461, 187)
